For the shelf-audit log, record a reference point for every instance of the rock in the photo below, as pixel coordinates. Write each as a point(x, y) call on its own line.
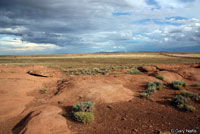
point(170, 76)
point(148, 68)
point(42, 120)
point(38, 73)
point(191, 74)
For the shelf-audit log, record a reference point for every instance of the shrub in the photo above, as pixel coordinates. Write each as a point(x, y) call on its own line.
point(84, 117)
point(83, 107)
point(144, 95)
point(191, 95)
point(82, 112)
point(43, 91)
point(180, 100)
point(159, 85)
point(182, 103)
point(190, 108)
point(178, 84)
point(160, 77)
point(151, 88)
point(186, 93)
point(133, 71)
point(196, 85)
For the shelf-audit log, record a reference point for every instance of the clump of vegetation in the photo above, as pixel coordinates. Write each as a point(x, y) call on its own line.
point(191, 95)
point(84, 117)
point(96, 70)
point(160, 77)
point(83, 112)
point(44, 91)
point(159, 85)
point(144, 95)
point(178, 85)
point(152, 87)
point(196, 85)
point(182, 103)
point(133, 71)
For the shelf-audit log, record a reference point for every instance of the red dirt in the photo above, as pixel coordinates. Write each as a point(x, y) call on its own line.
point(19, 95)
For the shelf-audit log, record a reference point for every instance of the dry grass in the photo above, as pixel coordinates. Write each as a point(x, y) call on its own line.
point(73, 61)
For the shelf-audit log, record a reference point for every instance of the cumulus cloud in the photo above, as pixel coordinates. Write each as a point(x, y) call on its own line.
point(94, 25)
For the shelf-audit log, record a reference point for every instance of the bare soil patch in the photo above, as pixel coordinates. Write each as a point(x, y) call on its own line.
point(118, 107)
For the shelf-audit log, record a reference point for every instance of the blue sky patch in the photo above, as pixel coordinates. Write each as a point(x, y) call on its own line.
point(156, 21)
point(121, 13)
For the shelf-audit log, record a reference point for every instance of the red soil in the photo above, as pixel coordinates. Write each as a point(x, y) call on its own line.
point(24, 110)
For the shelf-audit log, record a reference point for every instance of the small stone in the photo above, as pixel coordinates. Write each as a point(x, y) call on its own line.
point(157, 132)
point(134, 130)
point(150, 126)
point(110, 107)
point(59, 102)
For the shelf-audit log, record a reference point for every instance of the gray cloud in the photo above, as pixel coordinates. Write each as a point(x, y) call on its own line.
point(85, 23)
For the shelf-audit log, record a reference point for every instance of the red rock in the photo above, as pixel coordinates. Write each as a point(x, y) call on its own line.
point(170, 76)
point(43, 120)
point(148, 68)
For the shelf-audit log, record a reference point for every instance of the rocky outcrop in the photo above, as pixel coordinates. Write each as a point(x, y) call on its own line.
point(42, 120)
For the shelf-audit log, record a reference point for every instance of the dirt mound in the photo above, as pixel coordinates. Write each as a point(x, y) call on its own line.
point(104, 89)
point(170, 76)
point(15, 86)
point(171, 67)
point(42, 120)
point(148, 68)
point(191, 74)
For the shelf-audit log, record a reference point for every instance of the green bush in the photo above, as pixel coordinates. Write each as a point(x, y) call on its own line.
point(83, 107)
point(191, 95)
point(182, 103)
point(160, 77)
point(133, 71)
point(178, 84)
point(83, 112)
point(196, 85)
point(84, 117)
point(190, 108)
point(186, 93)
point(151, 88)
point(159, 85)
point(180, 100)
point(144, 95)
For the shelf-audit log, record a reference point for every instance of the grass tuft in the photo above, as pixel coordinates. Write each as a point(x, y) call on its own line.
point(133, 71)
point(160, 77)
point(182, 103)
point(178, 85)
point(152, 87)
point(43, 91)
point(191, 95)
point(84, 117)
point(196, 85)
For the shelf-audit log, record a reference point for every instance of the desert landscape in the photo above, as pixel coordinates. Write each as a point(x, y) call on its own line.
point(38, 93)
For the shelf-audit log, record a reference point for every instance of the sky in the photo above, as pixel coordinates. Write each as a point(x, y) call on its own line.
point(90, 26)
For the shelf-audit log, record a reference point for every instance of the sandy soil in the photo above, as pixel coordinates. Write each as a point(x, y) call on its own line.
point(24, 110)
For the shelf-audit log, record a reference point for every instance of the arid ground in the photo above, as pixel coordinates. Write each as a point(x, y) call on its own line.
point(37, 93)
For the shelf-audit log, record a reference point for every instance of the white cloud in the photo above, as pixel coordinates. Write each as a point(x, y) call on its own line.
point(15, 44)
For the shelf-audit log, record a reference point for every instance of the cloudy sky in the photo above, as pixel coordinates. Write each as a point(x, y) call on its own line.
point(85, 26)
